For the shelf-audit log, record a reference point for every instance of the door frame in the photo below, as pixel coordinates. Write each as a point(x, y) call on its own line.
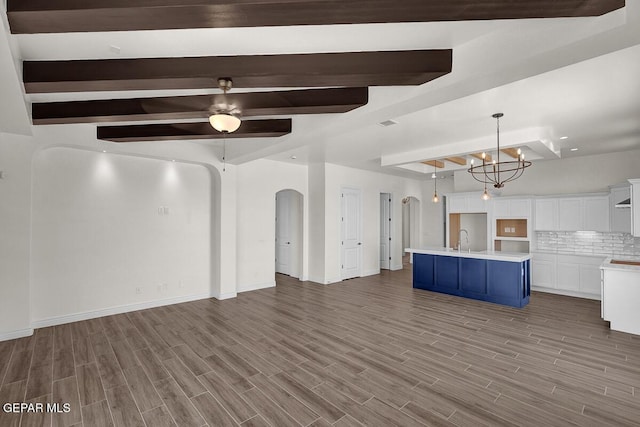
point(295, 201)
point(391, 228)
point(360, 230)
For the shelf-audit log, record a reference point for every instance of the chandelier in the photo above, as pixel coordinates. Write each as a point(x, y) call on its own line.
point(225, 118)
point(498, 173)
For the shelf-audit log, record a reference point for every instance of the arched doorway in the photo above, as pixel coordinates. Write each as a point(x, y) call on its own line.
point(288, 230)
point(410, 222)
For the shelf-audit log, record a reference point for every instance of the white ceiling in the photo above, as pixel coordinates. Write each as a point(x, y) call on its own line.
point(575, 77)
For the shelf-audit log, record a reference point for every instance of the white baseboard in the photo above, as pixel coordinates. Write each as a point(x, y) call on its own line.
point(396, 267)
point(227, 295)
point(566, 293)
point(16, 334)
point(76, 317)
point(304, 278)
point(256, 286)
point(371, 273)
point(317, 280)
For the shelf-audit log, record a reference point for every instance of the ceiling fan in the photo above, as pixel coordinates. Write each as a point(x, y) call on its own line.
point(225, 117)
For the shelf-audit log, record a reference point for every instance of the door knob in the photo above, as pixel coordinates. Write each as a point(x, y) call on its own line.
point(288, 243)
point(359, 243)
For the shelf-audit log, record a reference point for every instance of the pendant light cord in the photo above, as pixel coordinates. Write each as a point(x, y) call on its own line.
point(224, 151)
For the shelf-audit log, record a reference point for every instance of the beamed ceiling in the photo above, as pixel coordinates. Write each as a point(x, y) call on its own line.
point(268, 89)
point(63, 16)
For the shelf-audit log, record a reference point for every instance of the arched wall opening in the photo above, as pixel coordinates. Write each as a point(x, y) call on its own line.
point(410, 222)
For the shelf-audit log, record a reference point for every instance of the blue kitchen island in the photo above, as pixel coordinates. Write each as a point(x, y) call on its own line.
point(498, 277)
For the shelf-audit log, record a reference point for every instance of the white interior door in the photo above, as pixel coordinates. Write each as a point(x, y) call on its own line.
point(385, 231)
point(351, 233)
point(283, 233)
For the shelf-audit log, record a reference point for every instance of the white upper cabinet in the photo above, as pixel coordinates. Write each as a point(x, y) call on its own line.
point(466, 203)
point(596, 213)
point(512, 208)
point(520, 208)
point(570, 214)
point(635, 207)
point(546, 214)
point(588, 213)
point(620, 218)
point(457, 203)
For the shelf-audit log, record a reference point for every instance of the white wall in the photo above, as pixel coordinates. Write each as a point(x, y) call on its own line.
point(583, 174)
point(15, 200)
point(316, 216)
point(433, 214)
point(99, 243)
point(371, 185)
point(476, 226)
point(258, 183)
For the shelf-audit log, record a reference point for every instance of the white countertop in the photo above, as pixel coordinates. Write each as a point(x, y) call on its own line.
point(608, 266)
point(490, 255)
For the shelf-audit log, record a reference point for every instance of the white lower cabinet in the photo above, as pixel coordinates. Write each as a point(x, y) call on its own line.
point(568, 276)
point(575, 275)
point(543, 270)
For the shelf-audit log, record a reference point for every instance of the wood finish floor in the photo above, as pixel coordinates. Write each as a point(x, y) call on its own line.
point(369, 351)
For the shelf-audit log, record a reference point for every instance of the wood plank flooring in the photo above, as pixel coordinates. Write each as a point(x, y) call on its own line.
point(369, 351)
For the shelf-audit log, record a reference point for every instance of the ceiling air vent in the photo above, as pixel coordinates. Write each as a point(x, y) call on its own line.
point(388, 123)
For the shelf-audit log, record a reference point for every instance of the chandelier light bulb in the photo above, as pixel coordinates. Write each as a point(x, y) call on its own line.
point(435, 198)
point(485, 195)
point(484, 155)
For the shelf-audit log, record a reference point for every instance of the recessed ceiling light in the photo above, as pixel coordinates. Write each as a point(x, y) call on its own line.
point(388, 123)
point(173, 160)
point(574, 149)
point(293, 157)
point(104, 151)
point(564, 137)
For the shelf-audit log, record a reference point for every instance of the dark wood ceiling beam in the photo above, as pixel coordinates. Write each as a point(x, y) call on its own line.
point(61, 16)
point(278, 103)
point(354, 69)
point(187, 131)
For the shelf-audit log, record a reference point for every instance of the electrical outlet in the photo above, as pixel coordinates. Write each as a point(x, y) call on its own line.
point(138, 290)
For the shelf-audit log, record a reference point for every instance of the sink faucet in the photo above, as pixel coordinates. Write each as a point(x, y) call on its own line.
point(466, 234)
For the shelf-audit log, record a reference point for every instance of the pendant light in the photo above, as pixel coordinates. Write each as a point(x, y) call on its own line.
point(498, 173)
point(435, 186)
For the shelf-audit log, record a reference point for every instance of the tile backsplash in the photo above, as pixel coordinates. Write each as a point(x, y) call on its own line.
point(588, 243)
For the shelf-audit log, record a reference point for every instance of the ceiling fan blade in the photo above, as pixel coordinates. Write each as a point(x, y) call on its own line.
point(305, 101)
point(267, 128)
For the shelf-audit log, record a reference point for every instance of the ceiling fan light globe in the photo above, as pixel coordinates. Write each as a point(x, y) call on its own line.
point(223, 122)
